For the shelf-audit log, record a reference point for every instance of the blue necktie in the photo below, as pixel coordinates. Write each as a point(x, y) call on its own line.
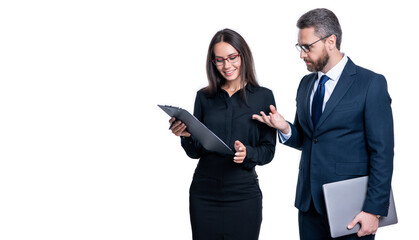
point(317, 105)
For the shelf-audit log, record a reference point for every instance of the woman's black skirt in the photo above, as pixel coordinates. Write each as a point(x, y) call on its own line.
point(225, 209)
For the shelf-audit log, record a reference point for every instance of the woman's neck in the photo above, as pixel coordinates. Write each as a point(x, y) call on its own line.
point(232, 87)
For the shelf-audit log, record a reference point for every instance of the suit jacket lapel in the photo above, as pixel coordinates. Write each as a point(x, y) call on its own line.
point(345, 81)
point(307, 100)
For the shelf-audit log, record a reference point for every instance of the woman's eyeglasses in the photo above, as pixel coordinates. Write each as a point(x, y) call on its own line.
point(219, 61)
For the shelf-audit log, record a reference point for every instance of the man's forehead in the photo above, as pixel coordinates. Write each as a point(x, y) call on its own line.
point(306, 35)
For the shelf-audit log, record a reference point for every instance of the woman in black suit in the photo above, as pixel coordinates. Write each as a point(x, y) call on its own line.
point(225, 198)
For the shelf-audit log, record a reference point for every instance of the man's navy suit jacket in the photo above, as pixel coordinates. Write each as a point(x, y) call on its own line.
point(354, 137)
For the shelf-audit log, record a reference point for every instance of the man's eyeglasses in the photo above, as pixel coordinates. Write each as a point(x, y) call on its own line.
point(219, 61)
point(306, 47)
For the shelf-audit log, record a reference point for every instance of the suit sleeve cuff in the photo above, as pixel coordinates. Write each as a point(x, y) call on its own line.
point(284, 137)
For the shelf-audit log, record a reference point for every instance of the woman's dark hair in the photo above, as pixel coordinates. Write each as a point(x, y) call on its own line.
point(247, 69)
point(325, 23)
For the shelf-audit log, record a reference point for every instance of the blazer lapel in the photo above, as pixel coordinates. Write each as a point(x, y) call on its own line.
point(307, 101)
point(345, 81)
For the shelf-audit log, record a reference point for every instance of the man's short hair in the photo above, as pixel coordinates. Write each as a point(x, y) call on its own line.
point(325, 23)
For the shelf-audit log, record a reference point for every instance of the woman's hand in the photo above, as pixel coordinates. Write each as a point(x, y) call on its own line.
point(240, 152)
point(178, 128)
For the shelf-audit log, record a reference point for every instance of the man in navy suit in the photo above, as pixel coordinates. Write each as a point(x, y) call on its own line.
point(343, 126)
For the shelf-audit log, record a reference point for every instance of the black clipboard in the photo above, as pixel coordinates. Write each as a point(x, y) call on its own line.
point(208, 139)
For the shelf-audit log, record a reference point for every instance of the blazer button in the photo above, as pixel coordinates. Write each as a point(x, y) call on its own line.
point(315, 141)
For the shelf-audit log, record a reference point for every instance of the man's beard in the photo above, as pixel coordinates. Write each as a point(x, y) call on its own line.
point(320, 63)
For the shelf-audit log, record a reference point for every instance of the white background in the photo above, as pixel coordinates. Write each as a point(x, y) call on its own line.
point(84, 151)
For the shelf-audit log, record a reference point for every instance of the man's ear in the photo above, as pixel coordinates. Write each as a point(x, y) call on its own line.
point(331, 42)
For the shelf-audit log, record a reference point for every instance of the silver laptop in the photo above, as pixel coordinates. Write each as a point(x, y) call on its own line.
point(345, 199)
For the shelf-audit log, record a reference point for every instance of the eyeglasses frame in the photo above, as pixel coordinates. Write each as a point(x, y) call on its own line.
point(306, 47)
point(226, 59)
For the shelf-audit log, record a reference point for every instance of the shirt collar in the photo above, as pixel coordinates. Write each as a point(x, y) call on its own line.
point(249, 87)
point(337, 70)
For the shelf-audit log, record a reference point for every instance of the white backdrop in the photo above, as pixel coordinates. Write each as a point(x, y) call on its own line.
point(84, 151)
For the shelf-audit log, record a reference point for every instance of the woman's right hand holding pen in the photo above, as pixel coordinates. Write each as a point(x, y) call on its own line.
point(178, 128)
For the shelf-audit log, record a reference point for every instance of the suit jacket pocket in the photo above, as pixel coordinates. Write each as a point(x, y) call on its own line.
point(352, 168)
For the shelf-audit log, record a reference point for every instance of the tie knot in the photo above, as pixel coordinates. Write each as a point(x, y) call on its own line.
point(323, 79)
